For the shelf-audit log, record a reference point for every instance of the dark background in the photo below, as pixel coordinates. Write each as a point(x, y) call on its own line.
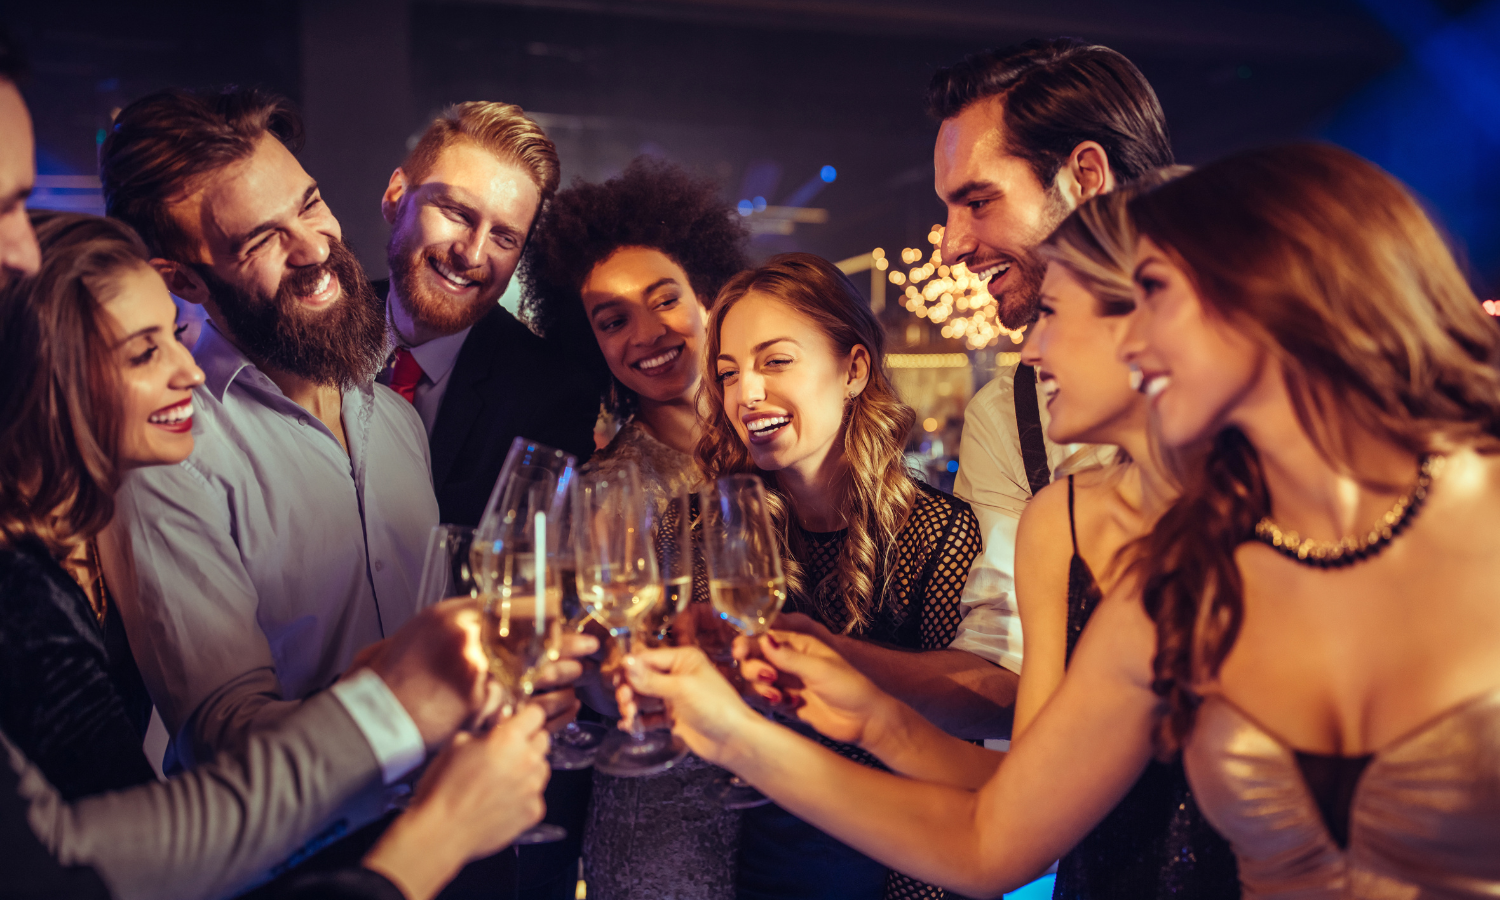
point(763, 93)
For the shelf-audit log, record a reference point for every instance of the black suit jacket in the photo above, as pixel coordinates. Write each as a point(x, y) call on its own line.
point(509, 383)
point(506, 383)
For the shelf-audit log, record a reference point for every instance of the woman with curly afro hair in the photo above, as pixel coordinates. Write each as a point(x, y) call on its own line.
point(620, 275)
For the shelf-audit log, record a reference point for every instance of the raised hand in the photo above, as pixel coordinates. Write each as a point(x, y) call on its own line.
point(555, 692)
point(435, 666)
point(708, 713)
point(476, 797)
point(800, 674)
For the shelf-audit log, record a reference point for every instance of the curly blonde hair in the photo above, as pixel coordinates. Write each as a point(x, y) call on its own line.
point(878, 492)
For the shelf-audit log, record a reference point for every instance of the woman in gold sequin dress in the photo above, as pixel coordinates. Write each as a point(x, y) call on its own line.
point(623, 271)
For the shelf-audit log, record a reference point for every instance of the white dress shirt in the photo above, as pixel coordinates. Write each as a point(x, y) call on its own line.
point(271, 555)
point(992, 478)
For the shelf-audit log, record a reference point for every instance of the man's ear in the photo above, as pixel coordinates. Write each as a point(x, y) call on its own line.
point(1086, 174)
point(181, 280)
point(390, 201)
point(859, 371)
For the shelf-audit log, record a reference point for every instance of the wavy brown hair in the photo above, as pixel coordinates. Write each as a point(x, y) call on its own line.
point(1333, 267)
point(878, 491)
point(60, 436)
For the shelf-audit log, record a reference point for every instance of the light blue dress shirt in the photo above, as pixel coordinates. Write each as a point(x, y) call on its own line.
point(270, 556)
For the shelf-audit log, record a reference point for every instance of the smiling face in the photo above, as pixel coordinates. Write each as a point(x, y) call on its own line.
point(156, 373)
point(1197, 369)
point(274, 272)
point(785, 384)
point(457, 238)
point(1074, 348)
point(648, 322)
point(998, 212)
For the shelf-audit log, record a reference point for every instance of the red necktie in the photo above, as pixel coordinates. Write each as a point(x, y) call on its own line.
point(405, 374)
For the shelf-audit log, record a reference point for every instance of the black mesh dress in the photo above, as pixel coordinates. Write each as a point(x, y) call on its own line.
point(783, 857)
point(1155, 843)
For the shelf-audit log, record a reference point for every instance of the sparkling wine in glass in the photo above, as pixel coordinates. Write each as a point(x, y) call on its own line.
point(575, 744)
point(620, 583)
point(515, 563)
point(745, 579)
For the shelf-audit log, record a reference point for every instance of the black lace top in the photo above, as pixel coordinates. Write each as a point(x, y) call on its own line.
point(1155, 843)
point(921, 611)
point(63, 700)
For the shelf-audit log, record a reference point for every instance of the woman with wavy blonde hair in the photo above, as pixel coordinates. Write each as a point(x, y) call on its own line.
point(798, 395)
point(1314, 620)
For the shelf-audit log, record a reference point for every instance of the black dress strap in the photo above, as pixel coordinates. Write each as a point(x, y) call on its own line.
point(1072, 528)
point(1029, 429)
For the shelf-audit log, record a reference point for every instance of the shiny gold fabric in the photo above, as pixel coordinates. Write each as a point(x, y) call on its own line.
point(1425, 820)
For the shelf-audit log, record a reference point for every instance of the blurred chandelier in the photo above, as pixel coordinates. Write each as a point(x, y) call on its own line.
point(950, 296)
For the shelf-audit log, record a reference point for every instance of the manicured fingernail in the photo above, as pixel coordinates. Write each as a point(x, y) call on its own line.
point(772, 640)
point(766, 676)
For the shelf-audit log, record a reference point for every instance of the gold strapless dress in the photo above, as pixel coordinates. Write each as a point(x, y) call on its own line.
point(1424, 823)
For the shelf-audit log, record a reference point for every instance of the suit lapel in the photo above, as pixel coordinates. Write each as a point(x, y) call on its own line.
point(464, 399)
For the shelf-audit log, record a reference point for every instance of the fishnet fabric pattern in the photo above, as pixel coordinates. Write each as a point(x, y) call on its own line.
point(920, 609)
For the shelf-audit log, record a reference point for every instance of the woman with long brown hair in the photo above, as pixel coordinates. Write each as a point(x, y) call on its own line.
point(1312, 623)
point(877, 560)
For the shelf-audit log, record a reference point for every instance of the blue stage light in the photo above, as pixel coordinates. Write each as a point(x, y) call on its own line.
point(828, 174)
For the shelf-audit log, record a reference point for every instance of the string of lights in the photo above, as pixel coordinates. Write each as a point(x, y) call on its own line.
point(945, 295)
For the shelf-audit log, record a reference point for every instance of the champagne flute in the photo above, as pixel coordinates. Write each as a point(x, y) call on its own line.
point(446, 571)
point(745, 579)
point(619, 582)
point(575, 744)
point(515, 565)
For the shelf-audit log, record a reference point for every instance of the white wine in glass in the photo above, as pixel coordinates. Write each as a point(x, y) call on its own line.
point(745, 579)
point(619, 581)
point(748, 604)
point(515, 561)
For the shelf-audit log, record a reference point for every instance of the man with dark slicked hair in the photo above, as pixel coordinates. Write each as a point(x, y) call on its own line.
point(1027, 133)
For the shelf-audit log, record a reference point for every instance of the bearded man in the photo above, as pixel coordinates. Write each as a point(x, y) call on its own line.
point(294, 534)
point(461, 207)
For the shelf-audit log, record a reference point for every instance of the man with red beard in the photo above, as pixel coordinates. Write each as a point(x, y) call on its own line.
point(1027, 134)
point(461, 208)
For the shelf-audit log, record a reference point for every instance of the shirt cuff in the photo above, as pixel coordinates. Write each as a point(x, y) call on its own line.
point(392, 734)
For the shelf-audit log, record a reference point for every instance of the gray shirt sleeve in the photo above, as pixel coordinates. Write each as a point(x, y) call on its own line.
point(211, 831)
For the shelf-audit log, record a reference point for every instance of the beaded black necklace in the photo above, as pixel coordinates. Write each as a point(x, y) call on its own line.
point(1350, 550)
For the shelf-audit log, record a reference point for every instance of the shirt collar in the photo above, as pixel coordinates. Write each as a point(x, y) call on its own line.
point(436, 357)
point(220, 360)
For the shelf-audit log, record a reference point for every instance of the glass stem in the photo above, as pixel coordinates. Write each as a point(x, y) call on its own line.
point(637, 730)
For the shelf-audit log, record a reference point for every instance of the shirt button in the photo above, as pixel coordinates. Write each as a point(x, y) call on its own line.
point(302, 420)
point(379, 565)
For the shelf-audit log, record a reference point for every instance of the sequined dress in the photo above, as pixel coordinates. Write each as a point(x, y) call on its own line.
point(667, 836)
point(783, 857)
point(1155, 843)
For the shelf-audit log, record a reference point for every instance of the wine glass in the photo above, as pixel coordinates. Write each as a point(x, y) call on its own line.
point(620, 583)
point(745, 579)
point(575, 744)
point(446, 571)
point(515, 565)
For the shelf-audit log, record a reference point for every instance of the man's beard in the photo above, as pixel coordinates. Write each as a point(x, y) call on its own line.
point(343, 345)
point(428, 308)
point(1018, 305)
